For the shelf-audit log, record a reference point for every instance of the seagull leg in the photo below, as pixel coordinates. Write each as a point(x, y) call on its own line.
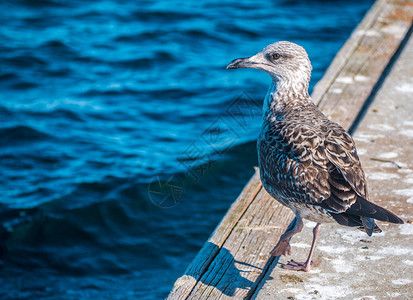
point(283, 245)
point(308, 264)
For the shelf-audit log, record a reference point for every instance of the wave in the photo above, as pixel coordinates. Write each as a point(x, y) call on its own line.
point(25, 61)
point(6, 115)
point(163, 15)
point(21, 134)
point(59, 113)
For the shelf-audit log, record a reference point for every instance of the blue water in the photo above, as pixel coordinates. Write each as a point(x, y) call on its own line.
point(123, 139)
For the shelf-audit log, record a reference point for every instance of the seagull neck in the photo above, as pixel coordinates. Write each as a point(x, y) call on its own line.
point(282, 95)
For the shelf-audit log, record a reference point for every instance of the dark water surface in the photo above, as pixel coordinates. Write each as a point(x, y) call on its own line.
point(123, 139)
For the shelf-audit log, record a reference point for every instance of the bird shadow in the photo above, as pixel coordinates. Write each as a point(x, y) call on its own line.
point(227, 274)
point(223, 272)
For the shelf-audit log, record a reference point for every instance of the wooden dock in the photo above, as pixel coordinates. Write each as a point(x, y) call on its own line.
point(234, 261)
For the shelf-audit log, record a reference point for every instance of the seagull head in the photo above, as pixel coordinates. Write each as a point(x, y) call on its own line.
point(285, 62)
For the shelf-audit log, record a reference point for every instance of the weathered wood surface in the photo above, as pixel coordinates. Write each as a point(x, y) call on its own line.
point(378, 37)
point(236, 256)
point(185, 284)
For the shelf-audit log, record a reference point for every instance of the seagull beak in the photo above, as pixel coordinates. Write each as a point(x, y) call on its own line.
point(240, 63)
point(256, 61)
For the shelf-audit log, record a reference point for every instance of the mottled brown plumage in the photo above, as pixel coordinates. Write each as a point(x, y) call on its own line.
point(307, 162)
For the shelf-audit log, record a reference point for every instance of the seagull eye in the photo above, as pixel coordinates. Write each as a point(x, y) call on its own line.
point(275, 56)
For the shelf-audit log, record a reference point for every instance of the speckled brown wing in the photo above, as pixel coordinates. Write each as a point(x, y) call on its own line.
point(341, 152)
point(348, 202)
point(342, 195)
point(345, 174)
point(294, 162)
point(314, 166)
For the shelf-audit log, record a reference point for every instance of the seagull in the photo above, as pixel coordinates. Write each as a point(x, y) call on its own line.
point(307, 162)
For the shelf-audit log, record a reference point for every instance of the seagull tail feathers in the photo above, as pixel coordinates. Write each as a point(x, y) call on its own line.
point(363, 223)
point(368, 210)
point(369, 225)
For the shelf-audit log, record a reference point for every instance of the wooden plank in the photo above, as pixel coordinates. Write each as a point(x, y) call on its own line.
point(346, 51)
point(359, 75)
point(235, 257)
point(184, 285)
point(244, 254)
